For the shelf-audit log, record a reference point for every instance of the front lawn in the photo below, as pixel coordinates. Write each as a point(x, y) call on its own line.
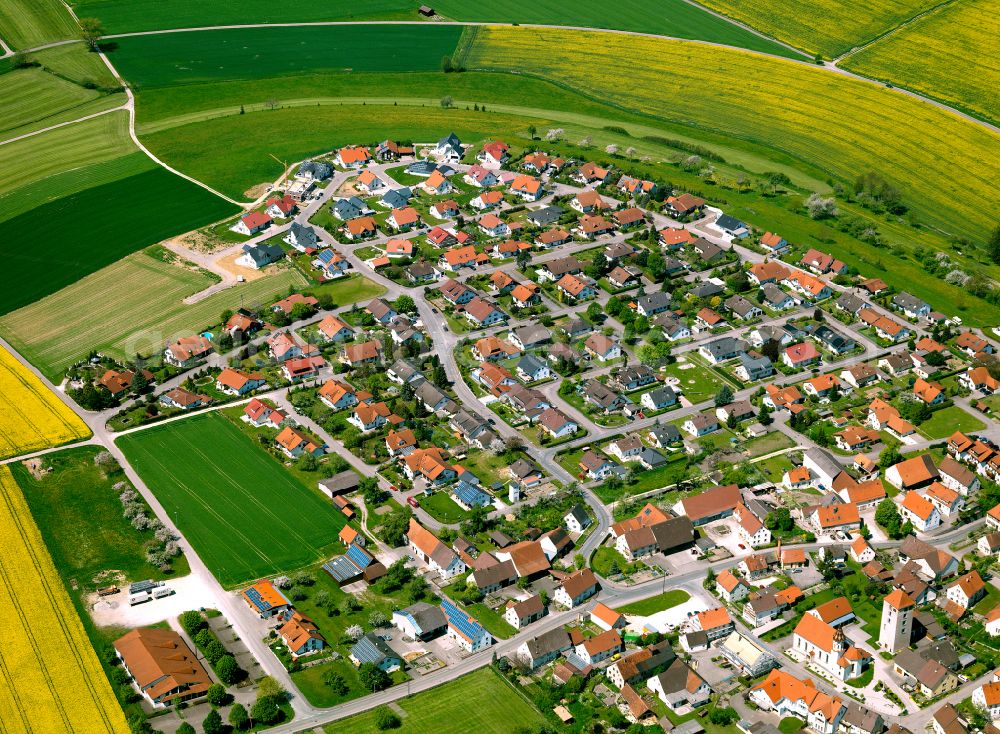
point(946, 421)
point(443, 508)
point(345, 291)
point(696, 382)
point(988, 602)
point(655, 604)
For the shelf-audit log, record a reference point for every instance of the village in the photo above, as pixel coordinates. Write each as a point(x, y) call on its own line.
point(659, 468)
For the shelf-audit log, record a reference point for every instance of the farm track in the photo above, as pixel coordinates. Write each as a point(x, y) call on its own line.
point(831, 67)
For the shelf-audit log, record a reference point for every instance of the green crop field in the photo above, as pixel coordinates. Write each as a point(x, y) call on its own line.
point(80, 516)
point(134, 305)
point(674, 18)
point(95, 227)
point(34, 99)
point(126, 16)
point(29, 23)
point(668, 17)
point(244, 514)
point(184, 58)
point(498, 709)
point(829, 27)
point(74, 146)
point(923, 57)
point(234, 153)
point(74, 62)
point(939, 161)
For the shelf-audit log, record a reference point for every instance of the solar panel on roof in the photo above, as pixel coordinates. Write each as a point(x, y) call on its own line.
point(461, 621)
point(342, 569)
point(361, 558)
point(577, 662)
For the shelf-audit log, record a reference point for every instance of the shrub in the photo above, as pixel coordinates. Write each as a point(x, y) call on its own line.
point(385, 718)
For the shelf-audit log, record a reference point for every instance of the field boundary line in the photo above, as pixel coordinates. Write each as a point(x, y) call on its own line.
point(749, 28)
point(892, 31)
point(32, 134)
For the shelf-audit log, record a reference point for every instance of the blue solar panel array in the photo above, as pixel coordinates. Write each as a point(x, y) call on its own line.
point(342, 569)
point(258, 601)
point(461, 621)
point(365, 651)
point(359, 556)
point(471, 495)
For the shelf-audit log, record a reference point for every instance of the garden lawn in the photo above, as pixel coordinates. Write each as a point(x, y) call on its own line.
point(698, 383)
point(946, 421)
point(134, 305)
point(774, 441)
point(251, 53)
point(80, 516)
point(934, 157)
point(448, 709)
point(352, 289)
point(442, 507)
point(922, 56)
point(828, 26)
point(492, 621)
point(244, 514)
point(655, 604)
point(988, 602)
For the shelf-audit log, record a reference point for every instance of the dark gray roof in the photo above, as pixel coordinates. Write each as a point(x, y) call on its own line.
point(397, 197)
point(729, 223)
point(345, 481)
point(546, 215)
point(263, 254)
point(656, 300)
point(372, 649)
point(773, 294)
point(530, 364)
point(707, 289)
point(531, 334)
point(549, 642)
point(428, 617)
point(666, 433)
point(303, 234)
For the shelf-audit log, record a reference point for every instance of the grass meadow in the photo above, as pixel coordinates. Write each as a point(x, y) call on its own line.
point(231, 153)
point(498, 709)
point(29, 23)
point(924, 55)
point(674, 18)
point(133, 305)
point(32, 417)
point(97, 226)
point(33, 159)
point(243, 513)
point(940, 162)
point(251, 53)
point(34, 99)
point(80, 517)
point(126, 16)
point(828, 27)
point(49, 682)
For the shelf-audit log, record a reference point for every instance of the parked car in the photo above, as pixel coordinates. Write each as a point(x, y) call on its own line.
point(412, 501)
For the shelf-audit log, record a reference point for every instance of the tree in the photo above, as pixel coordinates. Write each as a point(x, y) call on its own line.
point(212, 723)
point(531, 131)
point(185, 728)
point(371, 491)
point(217, 695)
point(417, 589)
point(265, 710)
point(386, 718)
point(373, 677)
point(91, 31)
point(238, 717)
point(724, 396)
point(447, 101)
point(594, 312)
point(723, 717)
point(890, 455)
point(993, 245)
point(394, 526)
point(228, 670)
point(779, 519)
point(335, 682)
point(377, 619)
point(270, 687)
point(478, 521)
point(446, 64)
point(192, 622)
point(765, 416)
point(271, 103)
point(405, 304)
point(887, 516)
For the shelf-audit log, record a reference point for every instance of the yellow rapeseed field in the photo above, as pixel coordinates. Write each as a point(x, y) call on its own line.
point(50, 678)
point(31, 417)
point(944, 165)
point(950, 54)
point(828, 27)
